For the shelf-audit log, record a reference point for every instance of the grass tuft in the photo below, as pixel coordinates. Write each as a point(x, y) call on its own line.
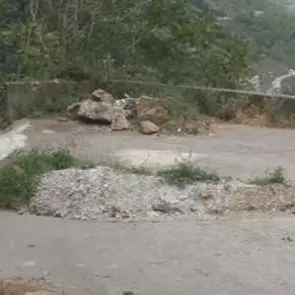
point(277, 176)
point(19, 178)
point(185, 173)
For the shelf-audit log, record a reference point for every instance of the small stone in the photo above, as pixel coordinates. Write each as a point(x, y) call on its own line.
point(125, 214)
point(162, 206)
point(48, 131)
point(250, 207)
point(193, 209)
point(62, 119)
point(287, 239)
point(31, 246)
point(148, 128)
point(152, 214)
point(29, 263)
point(206, 196)
point(183, 198)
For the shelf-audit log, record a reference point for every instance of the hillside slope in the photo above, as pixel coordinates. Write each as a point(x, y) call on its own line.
point(268, 25)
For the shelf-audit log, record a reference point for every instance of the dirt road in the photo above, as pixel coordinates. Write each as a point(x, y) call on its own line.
point(169, 258)
point(249, 257)
point(235, 150)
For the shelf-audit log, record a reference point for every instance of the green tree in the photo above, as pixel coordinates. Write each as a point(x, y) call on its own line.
point(163, 40)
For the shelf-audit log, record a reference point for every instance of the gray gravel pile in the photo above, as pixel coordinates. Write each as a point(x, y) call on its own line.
point(105, 193)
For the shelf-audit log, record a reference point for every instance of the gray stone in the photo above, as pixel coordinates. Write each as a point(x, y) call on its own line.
point(102, 96)
point(148, 127)
point(119, 121)
point(101, 112)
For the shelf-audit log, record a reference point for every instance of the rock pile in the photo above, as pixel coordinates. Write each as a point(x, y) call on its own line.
point(147, 114)
point(102, 192)
point(100, 108)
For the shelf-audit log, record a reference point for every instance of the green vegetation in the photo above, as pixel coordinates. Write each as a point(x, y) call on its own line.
point(268, 24)
point(180, 174)
point(19, 178)
point(204, 42)
point(185, 173)
point(185, 41)
point(54, 106)
point(277, 176)
point(167, 41)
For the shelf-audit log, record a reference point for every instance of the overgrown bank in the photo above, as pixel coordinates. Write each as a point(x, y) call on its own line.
point(19, 178)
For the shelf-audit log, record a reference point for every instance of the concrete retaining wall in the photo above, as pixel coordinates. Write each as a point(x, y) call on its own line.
point(19, 95)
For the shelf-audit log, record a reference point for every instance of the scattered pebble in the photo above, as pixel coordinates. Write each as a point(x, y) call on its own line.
point(287, 239)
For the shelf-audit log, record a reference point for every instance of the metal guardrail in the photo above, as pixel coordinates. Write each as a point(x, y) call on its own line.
point(213, 89)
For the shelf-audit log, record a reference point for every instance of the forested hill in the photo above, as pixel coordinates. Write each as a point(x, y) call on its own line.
point(163, 40)
point(269, 24)
point(167, 41)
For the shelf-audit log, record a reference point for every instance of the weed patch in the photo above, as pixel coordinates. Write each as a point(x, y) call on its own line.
point(180, 174)
point(19, 178)
point(277, 176)
point(185, 173)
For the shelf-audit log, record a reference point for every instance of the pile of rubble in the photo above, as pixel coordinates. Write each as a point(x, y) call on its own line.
point(147, 114)
point(103, 192)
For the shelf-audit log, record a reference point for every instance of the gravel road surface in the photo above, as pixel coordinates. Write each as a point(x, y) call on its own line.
point(169, 258)
point(176, 257)
point(235, 150)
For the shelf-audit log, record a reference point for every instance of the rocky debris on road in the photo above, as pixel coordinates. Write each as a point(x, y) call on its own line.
point(102, 192)
point(119, 121)
point(99, 112)
point(129, 105)
point(101, 95)
point(148, 128)
point(101, 109)
point(151, 109)
point(72, 110)
point(147, 114)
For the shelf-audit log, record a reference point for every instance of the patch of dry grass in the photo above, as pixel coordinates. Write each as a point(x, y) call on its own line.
point(24, 286)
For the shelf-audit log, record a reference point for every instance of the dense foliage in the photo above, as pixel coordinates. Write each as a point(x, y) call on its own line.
point(163, 40)
point(269, 24)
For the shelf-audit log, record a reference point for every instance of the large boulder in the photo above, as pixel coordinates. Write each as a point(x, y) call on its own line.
point(73, 109)
point(119, 121)
point(151, 109)
point(99, 112)
point(148, 127)
point(102, 96)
